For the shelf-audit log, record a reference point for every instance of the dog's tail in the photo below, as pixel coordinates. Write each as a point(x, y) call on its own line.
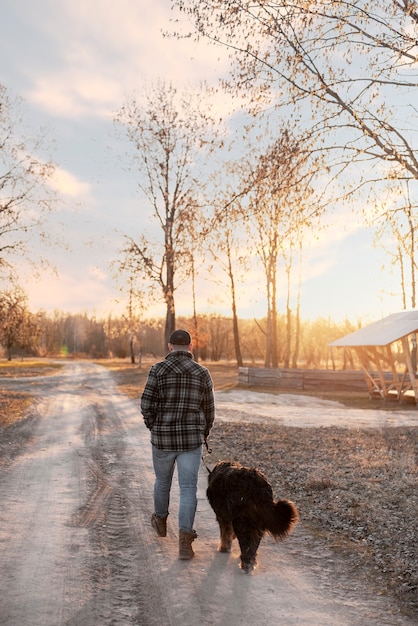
point(281, 518)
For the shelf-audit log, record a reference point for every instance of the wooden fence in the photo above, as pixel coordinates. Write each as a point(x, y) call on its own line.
point(303, 380)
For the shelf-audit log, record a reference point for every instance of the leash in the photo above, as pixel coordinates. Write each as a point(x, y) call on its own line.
point(209, 451)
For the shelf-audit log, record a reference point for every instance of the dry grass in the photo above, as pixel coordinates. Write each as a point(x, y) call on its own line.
point(33, 367)
point(13, 404)
point(131, 378)
point(355, 489)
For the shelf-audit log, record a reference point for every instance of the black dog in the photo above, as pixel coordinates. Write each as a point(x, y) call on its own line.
point(242, 499)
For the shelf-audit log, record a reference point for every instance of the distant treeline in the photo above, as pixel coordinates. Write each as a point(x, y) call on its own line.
point(213, 339)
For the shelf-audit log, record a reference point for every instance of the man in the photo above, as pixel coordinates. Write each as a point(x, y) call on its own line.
point(178, 408)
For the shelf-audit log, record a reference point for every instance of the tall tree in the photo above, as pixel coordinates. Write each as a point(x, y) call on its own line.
point(171, 133)
point(225, 252)
point(225, 237)
point(24, 193)
point(281, 207)
point(398, 233)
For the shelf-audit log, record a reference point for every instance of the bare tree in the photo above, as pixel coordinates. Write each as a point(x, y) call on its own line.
point(397, 234)
point(18, 327)
point(224, 252)
point(281, 207)
point(352, 65)
point(172, 134)
point(24, 194)
point(226, 238)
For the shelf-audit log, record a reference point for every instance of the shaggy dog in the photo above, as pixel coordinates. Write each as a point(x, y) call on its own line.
point(242, 499)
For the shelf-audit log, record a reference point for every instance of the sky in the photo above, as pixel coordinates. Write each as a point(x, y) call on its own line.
point(74, 63)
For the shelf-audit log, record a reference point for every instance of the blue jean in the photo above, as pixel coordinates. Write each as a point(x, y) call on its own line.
point(188, 470)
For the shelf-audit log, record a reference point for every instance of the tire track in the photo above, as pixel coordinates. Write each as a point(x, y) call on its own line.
point(72, 549)
point(119, 563)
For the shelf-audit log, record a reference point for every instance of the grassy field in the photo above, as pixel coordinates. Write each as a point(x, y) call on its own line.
point(131, 378)
point(13, 404)
point(29, 367)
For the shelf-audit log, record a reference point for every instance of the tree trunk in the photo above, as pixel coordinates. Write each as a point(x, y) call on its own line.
point(237, 347)
point(288, 320)
point(413, 259)
point(195, 321)
point(238, 355)
point(295, 355)
point(297, 335)
point(131, 347)
point(170, 318)
point(267, 360)
point(274, 355)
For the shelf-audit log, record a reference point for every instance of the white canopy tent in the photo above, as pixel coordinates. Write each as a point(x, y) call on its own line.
point(387, 351)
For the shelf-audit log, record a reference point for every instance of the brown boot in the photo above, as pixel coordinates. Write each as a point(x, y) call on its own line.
point(185, 544)
point(159, 524)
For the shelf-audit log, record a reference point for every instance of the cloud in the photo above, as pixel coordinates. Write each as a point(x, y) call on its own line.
point(78, 292)
point(76, 95)
point(100, 51)
point(67, 184)
point(98, 274)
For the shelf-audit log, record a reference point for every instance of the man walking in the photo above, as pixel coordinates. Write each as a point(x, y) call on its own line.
point(179, 409)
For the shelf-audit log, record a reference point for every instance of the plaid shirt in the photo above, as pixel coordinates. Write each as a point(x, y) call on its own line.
point(177, 403)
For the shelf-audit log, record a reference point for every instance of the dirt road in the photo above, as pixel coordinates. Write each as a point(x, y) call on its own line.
point(76, 547)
